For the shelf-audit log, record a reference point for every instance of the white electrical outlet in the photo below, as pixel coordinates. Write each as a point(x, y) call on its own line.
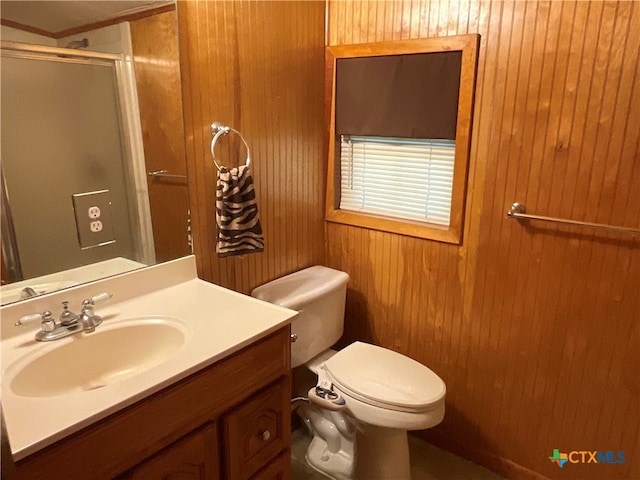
point(94, 212)
point(94, 222)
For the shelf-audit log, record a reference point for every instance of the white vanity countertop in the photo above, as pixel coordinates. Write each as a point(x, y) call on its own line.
point(218, 323)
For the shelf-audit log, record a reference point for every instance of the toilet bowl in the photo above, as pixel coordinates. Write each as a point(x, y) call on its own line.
point(366, 397)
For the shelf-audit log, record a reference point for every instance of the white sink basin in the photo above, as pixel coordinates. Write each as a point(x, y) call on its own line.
point(114, 352)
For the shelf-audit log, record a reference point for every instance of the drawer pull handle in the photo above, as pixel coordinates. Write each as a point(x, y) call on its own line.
point(266, 435)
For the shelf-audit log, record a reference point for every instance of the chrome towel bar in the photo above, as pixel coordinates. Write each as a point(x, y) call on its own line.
point(517, 211)
point(165, 173)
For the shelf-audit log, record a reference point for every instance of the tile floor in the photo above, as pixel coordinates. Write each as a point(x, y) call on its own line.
point(427, 462)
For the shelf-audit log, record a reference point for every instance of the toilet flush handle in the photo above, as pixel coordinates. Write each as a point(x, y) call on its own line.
point(294, 336)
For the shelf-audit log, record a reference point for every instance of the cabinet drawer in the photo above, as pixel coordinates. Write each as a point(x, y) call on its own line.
point(257, 431)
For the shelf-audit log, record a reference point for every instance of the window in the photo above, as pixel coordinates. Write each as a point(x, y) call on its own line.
point(399, 127)
point(401, 177)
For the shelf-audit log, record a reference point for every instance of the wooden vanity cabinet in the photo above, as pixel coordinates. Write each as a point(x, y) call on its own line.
point(230, 421)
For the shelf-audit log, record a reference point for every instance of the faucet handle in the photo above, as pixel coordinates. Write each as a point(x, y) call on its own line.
point(88, 303)
point(29, 318)
point(48, 322)
point(46, 319)
point(101, 298)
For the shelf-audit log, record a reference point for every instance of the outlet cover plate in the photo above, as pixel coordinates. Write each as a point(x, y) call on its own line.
point(82, 204)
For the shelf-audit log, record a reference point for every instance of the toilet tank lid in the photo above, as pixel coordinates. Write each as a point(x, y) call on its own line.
point(297, 289)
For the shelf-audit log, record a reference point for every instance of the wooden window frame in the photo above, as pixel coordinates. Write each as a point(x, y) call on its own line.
point(468, 45)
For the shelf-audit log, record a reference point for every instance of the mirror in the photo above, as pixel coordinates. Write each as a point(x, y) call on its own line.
point(93, 161)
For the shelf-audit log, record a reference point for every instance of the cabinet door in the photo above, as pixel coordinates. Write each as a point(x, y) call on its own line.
point(193, 457)
point(279, 469)
point(257, 431)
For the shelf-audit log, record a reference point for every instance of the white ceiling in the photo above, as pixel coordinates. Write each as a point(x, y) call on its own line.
point(59, 15)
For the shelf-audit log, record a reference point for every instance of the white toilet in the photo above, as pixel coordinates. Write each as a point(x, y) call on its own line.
point(366, 398)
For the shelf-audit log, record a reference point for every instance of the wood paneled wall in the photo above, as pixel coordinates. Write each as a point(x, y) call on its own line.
point(533, 327)
point(257, 67)
point(156, 61)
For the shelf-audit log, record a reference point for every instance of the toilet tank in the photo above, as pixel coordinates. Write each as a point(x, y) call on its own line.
point(318, 294)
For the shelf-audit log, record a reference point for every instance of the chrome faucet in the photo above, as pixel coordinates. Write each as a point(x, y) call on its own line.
point(69, 322)
point(27, 292)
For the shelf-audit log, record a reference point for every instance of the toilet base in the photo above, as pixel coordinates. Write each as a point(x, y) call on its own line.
point(366, 452)
point(335, 465)
point(331, 450)
point(383, 453)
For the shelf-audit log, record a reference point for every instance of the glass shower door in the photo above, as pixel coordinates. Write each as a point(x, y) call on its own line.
point(61, 135)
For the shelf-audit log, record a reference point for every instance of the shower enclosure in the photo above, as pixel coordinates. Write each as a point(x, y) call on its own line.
point(69, 126)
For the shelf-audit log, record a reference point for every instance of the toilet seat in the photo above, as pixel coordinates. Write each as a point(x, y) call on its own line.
point(384, 378)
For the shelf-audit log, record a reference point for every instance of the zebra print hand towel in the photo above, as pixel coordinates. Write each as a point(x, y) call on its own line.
point(238, 225)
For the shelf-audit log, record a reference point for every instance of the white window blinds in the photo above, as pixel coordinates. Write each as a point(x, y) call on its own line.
point(397, 177)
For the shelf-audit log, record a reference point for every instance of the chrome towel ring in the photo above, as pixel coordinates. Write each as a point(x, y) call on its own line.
point(219, 130)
